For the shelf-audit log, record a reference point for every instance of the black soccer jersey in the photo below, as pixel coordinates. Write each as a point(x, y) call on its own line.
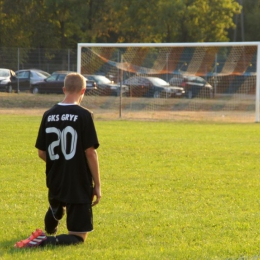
point(66, 131)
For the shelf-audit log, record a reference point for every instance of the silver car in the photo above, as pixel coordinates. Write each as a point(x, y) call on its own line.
point(6, 77)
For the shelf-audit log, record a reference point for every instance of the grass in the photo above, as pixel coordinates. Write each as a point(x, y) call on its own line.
point(171, 190)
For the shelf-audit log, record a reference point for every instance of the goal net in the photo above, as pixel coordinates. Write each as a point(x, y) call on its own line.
point(188, 81)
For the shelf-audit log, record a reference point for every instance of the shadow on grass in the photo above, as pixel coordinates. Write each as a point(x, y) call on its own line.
point(8, 247)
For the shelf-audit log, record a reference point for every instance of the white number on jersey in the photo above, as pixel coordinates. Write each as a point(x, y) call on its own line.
point(62, 139)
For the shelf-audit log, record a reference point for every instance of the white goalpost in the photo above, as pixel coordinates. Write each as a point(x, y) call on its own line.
point(213, 81)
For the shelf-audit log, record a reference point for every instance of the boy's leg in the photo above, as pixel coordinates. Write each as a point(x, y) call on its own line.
point(55, 213)
point(79, 223)
point(62, 240)
point(80, 234)
point(50, 222)
point(79, 219)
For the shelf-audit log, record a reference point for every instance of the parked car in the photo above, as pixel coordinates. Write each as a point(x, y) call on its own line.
point(55, 82)
point(106, 87)
point(194, 86)
point(27, 78)
point(6, 78)
point(91, 87)
point(152, 87)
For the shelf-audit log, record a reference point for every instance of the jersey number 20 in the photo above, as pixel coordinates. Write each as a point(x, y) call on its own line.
point(62, 140)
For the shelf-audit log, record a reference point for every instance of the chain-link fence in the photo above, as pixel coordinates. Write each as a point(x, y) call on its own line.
point(49, 60)
point(234, 96)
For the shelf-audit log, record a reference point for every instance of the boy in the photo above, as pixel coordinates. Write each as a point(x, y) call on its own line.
point(67, 142)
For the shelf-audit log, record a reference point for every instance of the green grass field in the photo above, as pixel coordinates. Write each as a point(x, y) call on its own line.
point(171, 190)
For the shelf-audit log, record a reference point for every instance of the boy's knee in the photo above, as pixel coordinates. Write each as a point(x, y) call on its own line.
point(83, 236)
point(50, 230)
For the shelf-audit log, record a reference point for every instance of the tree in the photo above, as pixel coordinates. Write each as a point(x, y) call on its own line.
point(198, 20)
point(13, 24)
point(171, 21)
point(129, 21)
point(251, 11)
point(64, 23)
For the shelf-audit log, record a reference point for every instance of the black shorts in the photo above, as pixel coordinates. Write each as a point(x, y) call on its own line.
point(79, 216)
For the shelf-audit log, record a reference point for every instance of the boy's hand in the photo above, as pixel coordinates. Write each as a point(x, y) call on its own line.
point(97, 195)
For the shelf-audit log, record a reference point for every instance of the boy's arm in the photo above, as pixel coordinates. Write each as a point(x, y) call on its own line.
point(92, 159)
point(42, 155)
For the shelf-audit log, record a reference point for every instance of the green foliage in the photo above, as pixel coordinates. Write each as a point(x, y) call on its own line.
point(14, 22)
point(208, 21)
point(176, 21)
point(64, 23)
point(171, 190)
point(251, 20)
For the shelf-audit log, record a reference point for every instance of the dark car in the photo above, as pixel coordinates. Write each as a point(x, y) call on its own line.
point(55, 82)
point(6, 78)
point(27, 78)
point(194, 86)
point(106, 87)
point(152, 87)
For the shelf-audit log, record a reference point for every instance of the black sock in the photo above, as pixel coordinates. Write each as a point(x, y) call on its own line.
point(62, 240)
point(50, 222)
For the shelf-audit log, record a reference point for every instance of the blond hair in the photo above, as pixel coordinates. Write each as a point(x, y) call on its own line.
point(74, 82)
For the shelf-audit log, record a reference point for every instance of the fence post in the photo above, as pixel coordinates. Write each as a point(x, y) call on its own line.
point(18, 67)
point(257, 101)
point(120, 90)
point(68, 59)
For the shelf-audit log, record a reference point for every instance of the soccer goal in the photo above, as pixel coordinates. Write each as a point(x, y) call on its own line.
point(212, 81)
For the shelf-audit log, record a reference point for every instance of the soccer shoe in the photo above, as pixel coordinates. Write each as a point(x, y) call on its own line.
point(34, 240)
point(37, 241)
